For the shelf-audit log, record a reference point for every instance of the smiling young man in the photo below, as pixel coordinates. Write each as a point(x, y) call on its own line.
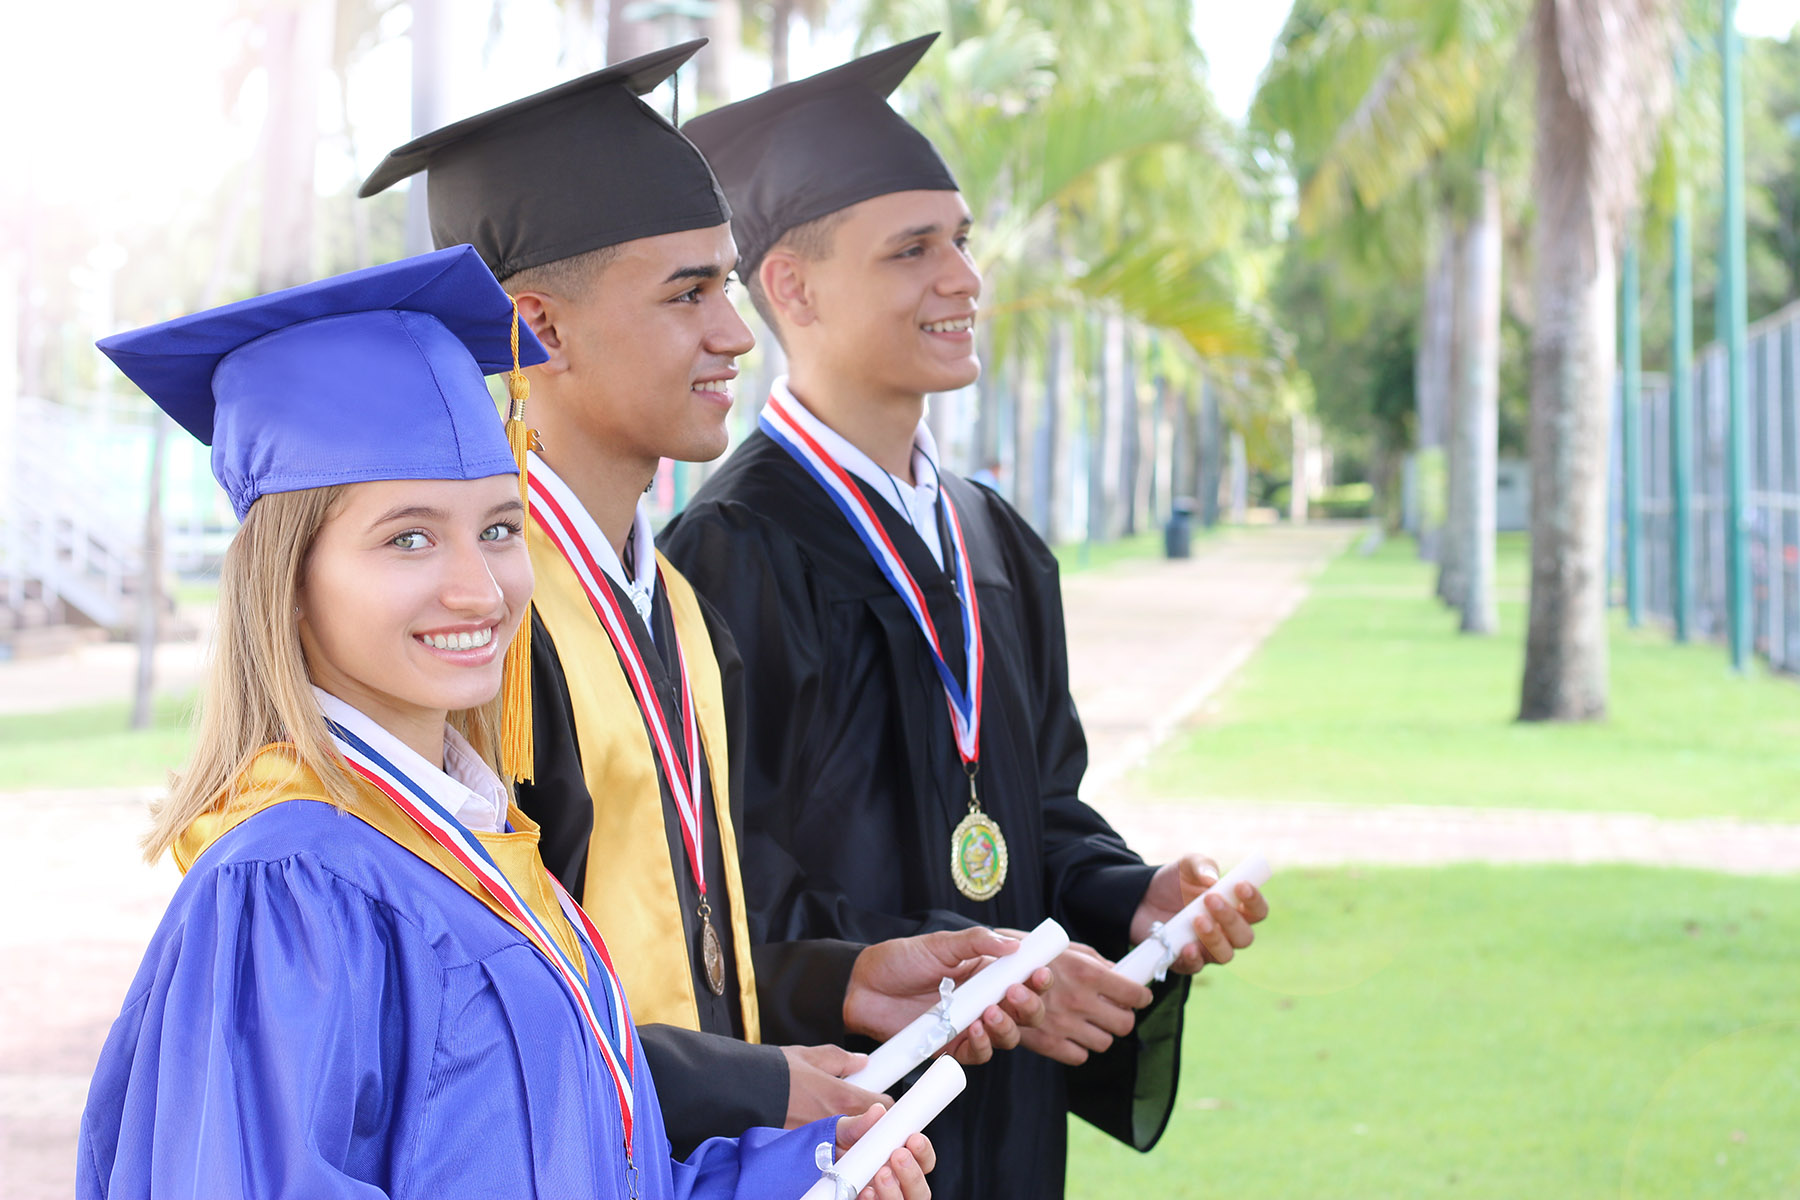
point(613, 238)
point(914, 758)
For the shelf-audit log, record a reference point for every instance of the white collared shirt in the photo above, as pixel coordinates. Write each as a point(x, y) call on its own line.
point(466, 786)
point(916, 504)
point(641, 586)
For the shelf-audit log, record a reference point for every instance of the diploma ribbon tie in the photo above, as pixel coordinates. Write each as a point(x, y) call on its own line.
point(825, 1158)
point(613, 1037)
point(681, 770)
point(964, 697)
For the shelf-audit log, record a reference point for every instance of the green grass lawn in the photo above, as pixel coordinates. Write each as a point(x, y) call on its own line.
point(93, 746)
point(1368, 695)
point(1489, 1032)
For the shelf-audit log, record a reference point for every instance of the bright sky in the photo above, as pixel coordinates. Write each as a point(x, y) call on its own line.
point(120, 106)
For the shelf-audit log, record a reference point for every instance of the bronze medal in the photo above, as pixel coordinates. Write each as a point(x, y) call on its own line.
point(712, 954)
point(978, 856)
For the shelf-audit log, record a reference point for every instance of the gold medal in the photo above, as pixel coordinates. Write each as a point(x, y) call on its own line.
point(712, 954)
point(978, 856)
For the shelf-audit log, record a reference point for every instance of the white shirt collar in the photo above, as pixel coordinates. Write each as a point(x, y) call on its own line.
point(469, 788)
point(917, 504)
point(641, 587)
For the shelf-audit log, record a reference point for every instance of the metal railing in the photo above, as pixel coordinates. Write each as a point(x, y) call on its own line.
point(1772, 518)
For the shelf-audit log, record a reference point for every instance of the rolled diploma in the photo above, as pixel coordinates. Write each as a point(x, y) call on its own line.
point(1152, 956)
point(961, 1008)
point(911, 1113)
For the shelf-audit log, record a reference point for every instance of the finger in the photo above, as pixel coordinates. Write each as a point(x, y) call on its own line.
point(1120, 991)
point(1001, 1029)
point(1116, 1021)
point(834, 1060)
point(1252, 903)
point(975, 1046)
point(923, 1152)
point(1236, 929)
point(1190, 960)
point(1024, 1006)
point(1055, 1048)
point(909, 1174)
point(967, 968)
point(1198, 872)
point(849, 1129)
point(1040, 980)
point(884, 1186)
point(1091, 1037)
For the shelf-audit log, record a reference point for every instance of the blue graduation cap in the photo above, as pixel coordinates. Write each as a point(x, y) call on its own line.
point(376, 374)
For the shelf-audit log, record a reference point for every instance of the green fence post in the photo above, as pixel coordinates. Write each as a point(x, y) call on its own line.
point(1681, 415)
point(1731, 282)
point(1631, 350)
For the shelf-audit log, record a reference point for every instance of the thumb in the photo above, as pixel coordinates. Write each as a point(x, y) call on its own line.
point(851, 1129)
point(959, 946)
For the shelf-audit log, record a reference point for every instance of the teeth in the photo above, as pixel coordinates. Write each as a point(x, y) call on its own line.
point(960, 325)
point(458, 641)
point(719, 385)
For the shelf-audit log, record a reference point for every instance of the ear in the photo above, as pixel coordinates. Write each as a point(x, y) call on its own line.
point(784, 282)
point(540, 313)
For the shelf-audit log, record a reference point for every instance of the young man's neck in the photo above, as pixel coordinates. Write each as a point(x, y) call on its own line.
point(882, 426)
point(607, 483)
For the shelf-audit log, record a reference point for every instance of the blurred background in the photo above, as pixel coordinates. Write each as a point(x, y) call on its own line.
point(1411, 391)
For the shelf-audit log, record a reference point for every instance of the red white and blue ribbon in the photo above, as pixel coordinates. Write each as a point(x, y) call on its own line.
point(612, 1036)
point(683, 776)
point(964, 698)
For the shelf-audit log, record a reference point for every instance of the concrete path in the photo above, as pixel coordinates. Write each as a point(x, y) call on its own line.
point(1150, 641)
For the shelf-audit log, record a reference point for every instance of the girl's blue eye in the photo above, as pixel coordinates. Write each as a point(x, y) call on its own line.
point(412, 539)
point(500, 531)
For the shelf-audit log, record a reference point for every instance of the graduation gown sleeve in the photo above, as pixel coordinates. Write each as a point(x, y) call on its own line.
point(273, 1048)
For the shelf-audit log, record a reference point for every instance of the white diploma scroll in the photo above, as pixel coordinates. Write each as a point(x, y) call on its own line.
point(911, 1113)
point(1153, 956)
point(958, 1008)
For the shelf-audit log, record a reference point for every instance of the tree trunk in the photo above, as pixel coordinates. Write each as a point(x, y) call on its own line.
point(1478, 398)
point(1431, 392)
point(430, 110)
point(150, 594)
point(297, 50)
point(781, 20)
point(1571, 383)
point(1453, 569)
point(626, 39)
point(714, 64)
point(1052, 484)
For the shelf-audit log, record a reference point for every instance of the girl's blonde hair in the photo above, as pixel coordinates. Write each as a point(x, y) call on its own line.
point(258, 690)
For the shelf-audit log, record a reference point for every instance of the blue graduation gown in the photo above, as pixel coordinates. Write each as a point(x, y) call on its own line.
point(323, 1014)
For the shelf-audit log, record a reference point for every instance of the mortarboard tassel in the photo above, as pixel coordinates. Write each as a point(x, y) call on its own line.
point(516, 746)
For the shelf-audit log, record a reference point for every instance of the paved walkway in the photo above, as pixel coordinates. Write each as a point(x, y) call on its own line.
point(1150, 641)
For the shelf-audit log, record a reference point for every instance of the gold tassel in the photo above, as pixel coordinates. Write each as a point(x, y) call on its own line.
point(517, 750)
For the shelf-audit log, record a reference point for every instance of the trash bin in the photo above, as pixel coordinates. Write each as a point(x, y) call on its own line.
point(1178, 534)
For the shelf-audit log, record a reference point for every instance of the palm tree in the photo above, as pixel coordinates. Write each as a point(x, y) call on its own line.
point(1425, 87)
point(1603, 81)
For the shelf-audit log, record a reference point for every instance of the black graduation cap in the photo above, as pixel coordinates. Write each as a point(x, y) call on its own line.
point(583, 165)
point(804, 150)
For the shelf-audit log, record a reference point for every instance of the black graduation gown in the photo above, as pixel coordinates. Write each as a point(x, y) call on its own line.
point(851, 781)
point(711, 1083)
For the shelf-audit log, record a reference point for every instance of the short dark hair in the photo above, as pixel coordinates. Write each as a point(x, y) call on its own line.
point(570, 277)
point(810, 241)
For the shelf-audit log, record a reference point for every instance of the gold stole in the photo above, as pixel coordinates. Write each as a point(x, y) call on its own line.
point(630, 893)
point(276, 774)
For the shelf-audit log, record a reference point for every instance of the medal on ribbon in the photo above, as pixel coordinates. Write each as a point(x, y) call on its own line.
point(682, 770)
point(978, 858)
point(612, 1037)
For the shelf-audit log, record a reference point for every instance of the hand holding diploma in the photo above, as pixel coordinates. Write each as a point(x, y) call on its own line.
point(885, 1155)
point(894, 982)
point(959, 1008)
point(1189, 917)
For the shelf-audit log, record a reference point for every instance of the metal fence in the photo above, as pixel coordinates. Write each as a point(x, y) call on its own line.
point(1772, 519)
